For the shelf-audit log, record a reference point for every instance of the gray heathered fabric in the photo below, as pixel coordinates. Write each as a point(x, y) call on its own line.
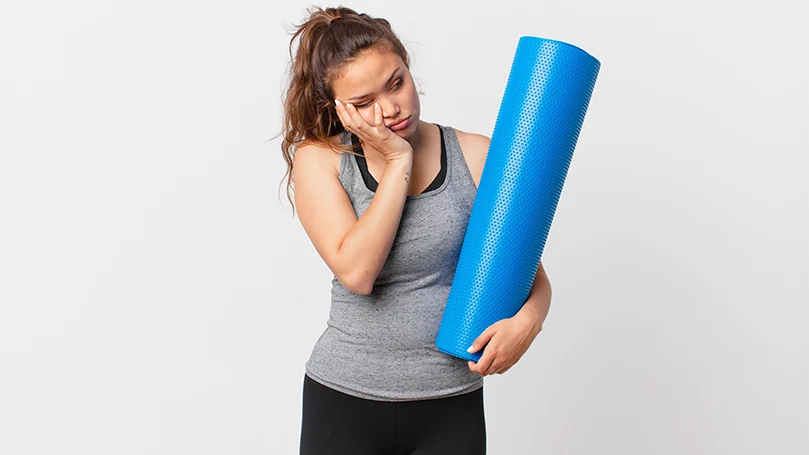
point(381, 346)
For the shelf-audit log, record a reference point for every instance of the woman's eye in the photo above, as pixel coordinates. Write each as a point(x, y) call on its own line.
point(395, 86)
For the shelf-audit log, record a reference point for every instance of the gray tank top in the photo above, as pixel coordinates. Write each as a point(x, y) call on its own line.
point(381, 346)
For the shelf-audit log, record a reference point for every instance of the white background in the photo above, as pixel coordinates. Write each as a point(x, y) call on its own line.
point(158, 297)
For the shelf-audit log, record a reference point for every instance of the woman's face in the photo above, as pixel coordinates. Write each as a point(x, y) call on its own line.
point(380, 77)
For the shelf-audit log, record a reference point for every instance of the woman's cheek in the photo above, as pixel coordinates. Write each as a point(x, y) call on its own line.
point(365, 116)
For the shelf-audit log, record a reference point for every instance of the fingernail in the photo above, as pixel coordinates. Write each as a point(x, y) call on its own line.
point(470, 348)
point(336, 102)
point(348, 105)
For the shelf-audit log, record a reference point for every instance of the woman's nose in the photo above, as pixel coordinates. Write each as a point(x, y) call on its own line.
point(389, 108)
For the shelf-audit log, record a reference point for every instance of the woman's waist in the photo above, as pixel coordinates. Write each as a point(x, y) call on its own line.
point(380, 336)
point(400, 356)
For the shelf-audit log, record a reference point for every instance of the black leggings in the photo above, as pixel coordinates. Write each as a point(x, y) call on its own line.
point(336, 423)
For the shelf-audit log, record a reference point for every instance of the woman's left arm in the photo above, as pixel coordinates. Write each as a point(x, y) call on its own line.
point(536, 308)
point(508, 339)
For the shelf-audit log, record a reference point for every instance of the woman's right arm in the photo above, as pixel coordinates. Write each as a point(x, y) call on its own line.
point(354, 249)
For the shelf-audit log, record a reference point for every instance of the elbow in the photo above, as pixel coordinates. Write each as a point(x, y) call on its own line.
point(358, 283)
point(363, 286)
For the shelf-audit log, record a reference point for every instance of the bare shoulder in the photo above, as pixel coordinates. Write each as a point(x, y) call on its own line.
point(315, 154)
point(475, 147)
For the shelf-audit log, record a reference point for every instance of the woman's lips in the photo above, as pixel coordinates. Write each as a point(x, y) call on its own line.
point(400, 125)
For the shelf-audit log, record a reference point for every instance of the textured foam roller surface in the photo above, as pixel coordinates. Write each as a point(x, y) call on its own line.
point(537, 127)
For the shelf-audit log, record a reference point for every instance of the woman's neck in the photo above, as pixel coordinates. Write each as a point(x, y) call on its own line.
point(421, 137)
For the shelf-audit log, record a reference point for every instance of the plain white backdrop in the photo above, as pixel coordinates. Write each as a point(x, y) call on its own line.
point(158, 297)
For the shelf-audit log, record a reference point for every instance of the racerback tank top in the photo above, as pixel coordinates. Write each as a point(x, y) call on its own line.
point(381, 346)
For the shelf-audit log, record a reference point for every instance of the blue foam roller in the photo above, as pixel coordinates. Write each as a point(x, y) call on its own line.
point(537, 127)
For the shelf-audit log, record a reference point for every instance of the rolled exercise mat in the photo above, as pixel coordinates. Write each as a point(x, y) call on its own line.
point(541, 113)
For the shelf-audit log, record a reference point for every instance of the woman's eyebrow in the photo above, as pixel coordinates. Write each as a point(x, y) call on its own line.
point(386, 83)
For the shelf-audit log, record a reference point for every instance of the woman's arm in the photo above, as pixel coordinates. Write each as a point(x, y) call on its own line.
point(508, 339)
point(369, 241)
point(354, 249)
point(536, 307)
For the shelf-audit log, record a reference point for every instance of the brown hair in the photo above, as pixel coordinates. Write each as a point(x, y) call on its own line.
point(330, 39)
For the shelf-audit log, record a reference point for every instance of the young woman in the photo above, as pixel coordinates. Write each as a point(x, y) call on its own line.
point(385, 198)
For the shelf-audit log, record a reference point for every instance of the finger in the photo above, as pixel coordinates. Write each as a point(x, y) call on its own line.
point(494, 368)
point(487, 359)
point(474, 368)
point(378, 116)
point(487, 370)
point(501, 370)
point(482, 339)
point(359, 122)
point(345, 119)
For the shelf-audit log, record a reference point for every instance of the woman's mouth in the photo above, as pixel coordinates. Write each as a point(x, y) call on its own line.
point(401, 125)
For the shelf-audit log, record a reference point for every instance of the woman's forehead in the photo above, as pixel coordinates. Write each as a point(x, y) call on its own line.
point(370, 69)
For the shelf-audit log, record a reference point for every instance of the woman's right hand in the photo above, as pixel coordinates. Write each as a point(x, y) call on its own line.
point(378, 136)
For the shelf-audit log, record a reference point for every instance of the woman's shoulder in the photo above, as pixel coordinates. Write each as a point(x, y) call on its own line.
point(474, 147)
point(324, 152)
point(467, 136)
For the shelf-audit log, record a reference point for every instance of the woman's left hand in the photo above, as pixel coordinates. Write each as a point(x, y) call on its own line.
point(508, 340)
